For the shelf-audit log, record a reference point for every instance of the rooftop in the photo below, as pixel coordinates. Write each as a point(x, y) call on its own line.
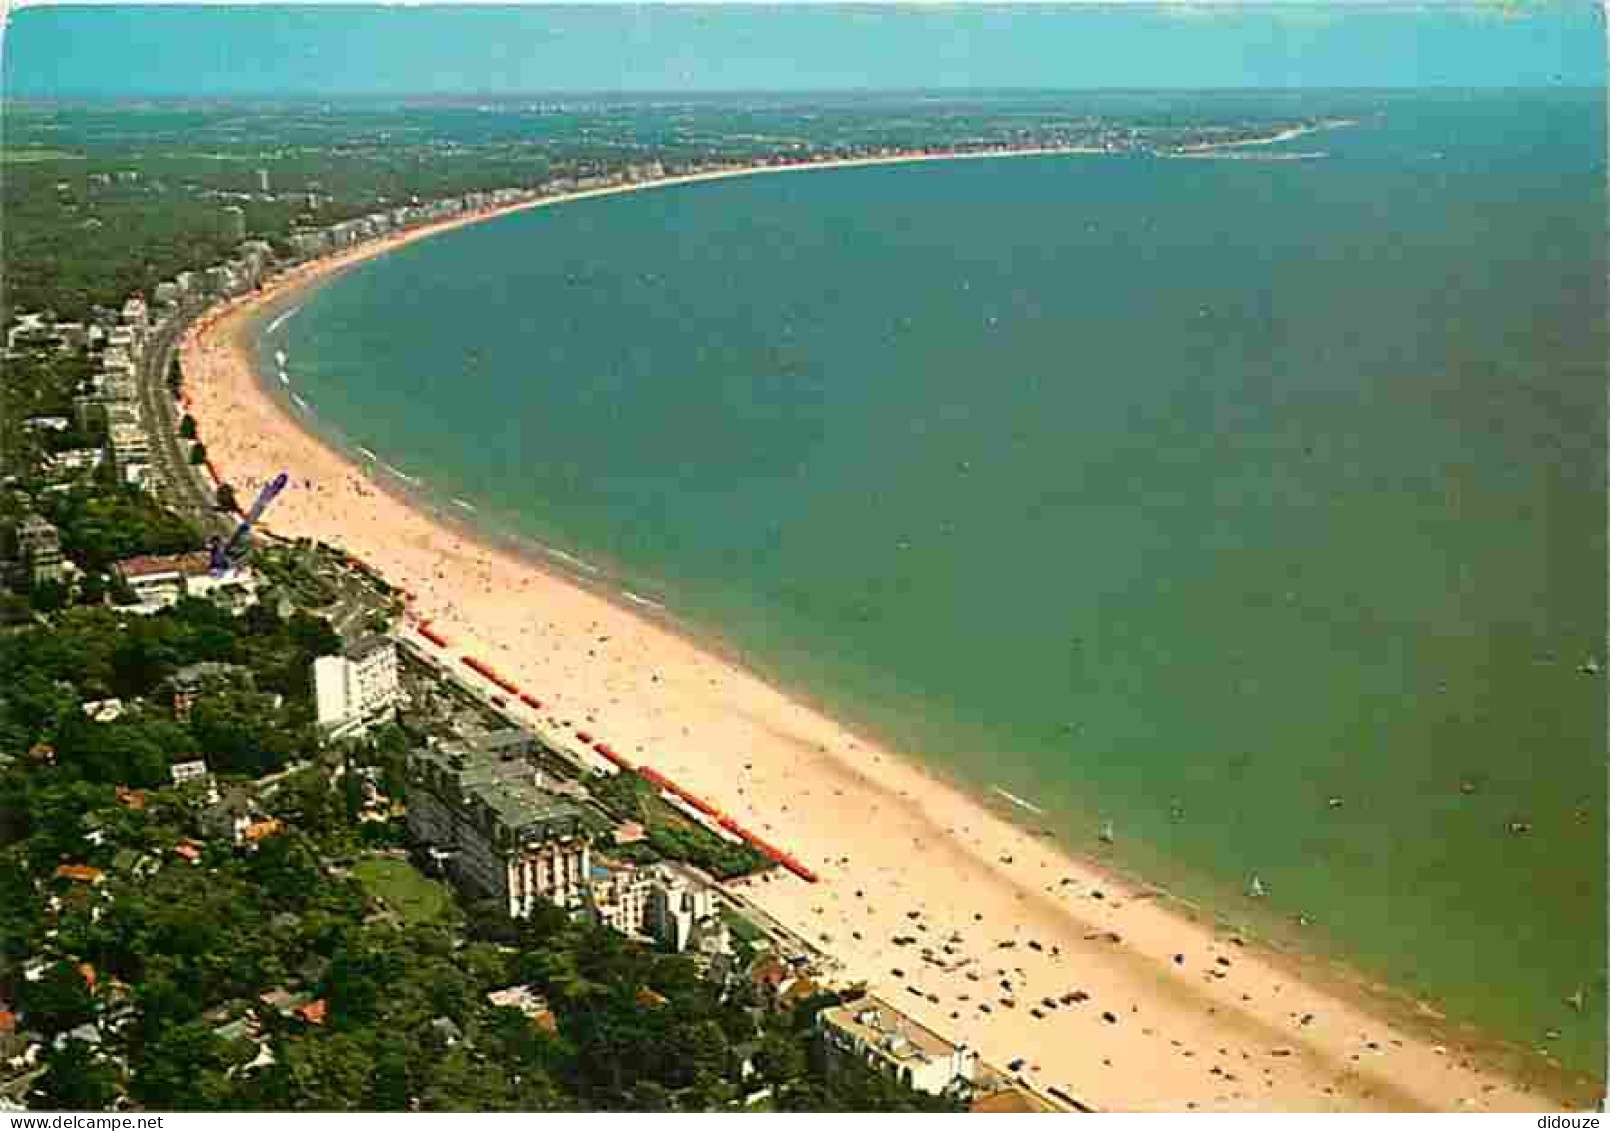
point(368, 646)
point(532, 1004)
point(284, 1000)
point(507, 786)
point(523, 998)
point(877, 1024)
point(80, 872)
point(508, 739)
point(313, 1012)
point(153, 565)
point(258, 830)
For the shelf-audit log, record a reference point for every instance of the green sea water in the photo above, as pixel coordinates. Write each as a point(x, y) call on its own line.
point(1188, 494)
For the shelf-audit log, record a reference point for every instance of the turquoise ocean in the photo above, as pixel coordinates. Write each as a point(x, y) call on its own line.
point(1185, 494)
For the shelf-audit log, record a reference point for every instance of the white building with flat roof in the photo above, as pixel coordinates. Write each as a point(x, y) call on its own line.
point(353, 692)
point(878, 1034)
point(656, 901)
point(620, 897)
point(183, 773)
point(131, 451)
point(677, 907)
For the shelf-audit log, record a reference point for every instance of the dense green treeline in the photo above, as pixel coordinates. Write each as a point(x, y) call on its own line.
point(91, 655)
point(103, 523)
point(170, 968)
point(153, 956)
point(100, 201)
point(199, 968)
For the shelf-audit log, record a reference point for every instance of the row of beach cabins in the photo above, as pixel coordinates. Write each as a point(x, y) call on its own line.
point(648, 773)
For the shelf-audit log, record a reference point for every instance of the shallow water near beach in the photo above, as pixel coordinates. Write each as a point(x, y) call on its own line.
point(1253, 506)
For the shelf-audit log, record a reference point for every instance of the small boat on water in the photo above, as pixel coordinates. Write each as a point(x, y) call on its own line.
point(1255, 888)
point(1106, 833)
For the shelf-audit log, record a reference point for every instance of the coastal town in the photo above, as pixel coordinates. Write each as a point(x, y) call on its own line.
point(471, 787)
point(469, 852)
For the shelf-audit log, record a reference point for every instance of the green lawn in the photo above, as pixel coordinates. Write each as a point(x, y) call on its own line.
point(415, 897)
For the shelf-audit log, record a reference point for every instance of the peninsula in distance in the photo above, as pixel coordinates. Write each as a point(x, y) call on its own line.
point(818, 558)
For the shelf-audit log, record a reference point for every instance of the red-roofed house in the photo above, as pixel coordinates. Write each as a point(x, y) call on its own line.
point(159, 581)
point(80, 873)
point(313, 1012)
point(257, 830)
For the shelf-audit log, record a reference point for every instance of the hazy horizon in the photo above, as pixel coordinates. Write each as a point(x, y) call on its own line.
point(600, 50)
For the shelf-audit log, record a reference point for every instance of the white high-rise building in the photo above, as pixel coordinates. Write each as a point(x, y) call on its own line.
point(131, 451)
point(357, 690)
point(621, 897)
point(676, 907)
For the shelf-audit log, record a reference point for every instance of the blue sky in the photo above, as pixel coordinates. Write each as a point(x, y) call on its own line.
point(123, 51)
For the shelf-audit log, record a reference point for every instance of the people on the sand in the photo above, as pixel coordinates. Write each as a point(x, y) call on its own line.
point(859, 919)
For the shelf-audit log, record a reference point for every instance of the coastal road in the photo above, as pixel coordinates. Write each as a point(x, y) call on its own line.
point(180, 485)
point(827, 967)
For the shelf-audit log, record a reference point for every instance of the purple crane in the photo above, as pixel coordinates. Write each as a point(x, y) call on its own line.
point(227, 555)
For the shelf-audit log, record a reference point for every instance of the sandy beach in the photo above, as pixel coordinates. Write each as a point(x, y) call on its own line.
point(1178, 1016)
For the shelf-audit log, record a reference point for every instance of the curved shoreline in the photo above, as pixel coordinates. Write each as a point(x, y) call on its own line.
point(801, 752)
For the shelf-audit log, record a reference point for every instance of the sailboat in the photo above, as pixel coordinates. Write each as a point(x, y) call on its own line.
point(1255, 888)
point(1105, 835)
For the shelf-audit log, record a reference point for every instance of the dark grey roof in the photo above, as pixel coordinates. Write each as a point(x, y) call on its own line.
point(359, 649)
point(503, 787)
point(509, 738)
